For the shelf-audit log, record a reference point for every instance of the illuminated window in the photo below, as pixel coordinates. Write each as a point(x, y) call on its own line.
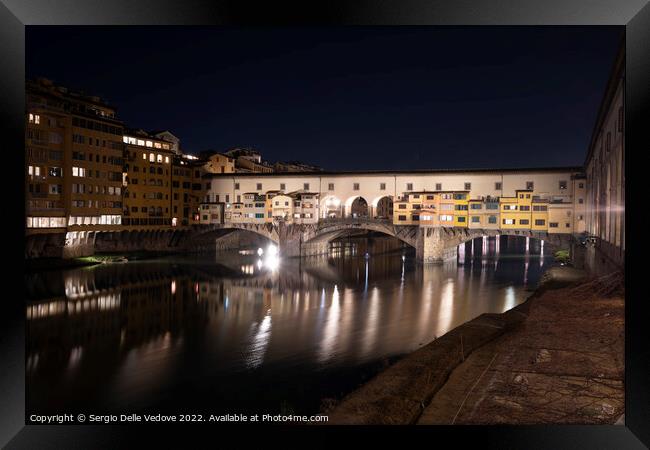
point(508, 221)
point(125, 139)
point(132, 140)
point(152, 157)
point(78, 172)
point(149, 144)
point(157, 145)
point(165, 146)
point(166, 159)
point(140, 142)
point(159, 158)
point(446, 218)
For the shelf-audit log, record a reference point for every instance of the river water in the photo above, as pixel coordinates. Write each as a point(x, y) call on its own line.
point(244, 333)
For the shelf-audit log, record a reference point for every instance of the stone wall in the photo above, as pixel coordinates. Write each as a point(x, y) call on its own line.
point(49, 245)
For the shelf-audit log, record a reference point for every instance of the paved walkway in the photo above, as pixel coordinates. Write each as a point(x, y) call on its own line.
point(563, 365)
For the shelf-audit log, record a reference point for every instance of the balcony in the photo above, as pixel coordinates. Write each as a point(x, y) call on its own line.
point(40, 142)
point(35, 105)
point(39, 194)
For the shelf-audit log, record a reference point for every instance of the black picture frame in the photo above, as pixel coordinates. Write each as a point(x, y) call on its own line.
point(633, 14)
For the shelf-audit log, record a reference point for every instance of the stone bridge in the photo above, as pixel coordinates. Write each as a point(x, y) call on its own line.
point(432, 244)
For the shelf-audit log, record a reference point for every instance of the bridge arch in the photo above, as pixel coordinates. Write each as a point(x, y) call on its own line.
point(357, 207)
point(230, 237)
point(331, 207)
point(457, 237)
point(318, 240)
point(382, 207)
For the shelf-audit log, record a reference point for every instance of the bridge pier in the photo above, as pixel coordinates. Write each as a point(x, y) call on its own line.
point(314, 248)
point(433, 246)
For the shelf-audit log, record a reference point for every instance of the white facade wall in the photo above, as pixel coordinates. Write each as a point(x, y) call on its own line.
point(546, 183)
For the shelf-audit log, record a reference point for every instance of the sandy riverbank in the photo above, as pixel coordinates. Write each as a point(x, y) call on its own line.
point(556, 358)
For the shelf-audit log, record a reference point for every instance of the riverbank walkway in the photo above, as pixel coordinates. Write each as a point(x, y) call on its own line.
point(556, 359)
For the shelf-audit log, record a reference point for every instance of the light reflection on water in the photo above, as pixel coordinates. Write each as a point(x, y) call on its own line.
point(250, 333)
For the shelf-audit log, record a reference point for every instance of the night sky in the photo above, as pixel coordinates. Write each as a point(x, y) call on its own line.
point(348, 98)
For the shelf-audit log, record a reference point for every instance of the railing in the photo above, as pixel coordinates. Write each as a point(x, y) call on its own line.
point(334, 220)
point(36, 105)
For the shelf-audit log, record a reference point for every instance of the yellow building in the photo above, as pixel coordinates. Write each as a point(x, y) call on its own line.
point(268, 203)
point(476, 214)
point(484, 213)
point(579, 204)
point(539, 214)
point(73, 161)
point(461, 208)
point(147, 181)
point(406, 211)
point(516, 211)
point(446, 209)
point(188, 190)
point(429, 209)
point(560, 217)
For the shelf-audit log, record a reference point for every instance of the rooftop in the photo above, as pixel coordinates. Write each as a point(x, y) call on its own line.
point(574, 169)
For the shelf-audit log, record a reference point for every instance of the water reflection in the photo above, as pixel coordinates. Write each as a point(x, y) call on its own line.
point(243, 332)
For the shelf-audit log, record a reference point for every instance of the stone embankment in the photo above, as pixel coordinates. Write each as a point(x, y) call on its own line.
point(556, 358)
